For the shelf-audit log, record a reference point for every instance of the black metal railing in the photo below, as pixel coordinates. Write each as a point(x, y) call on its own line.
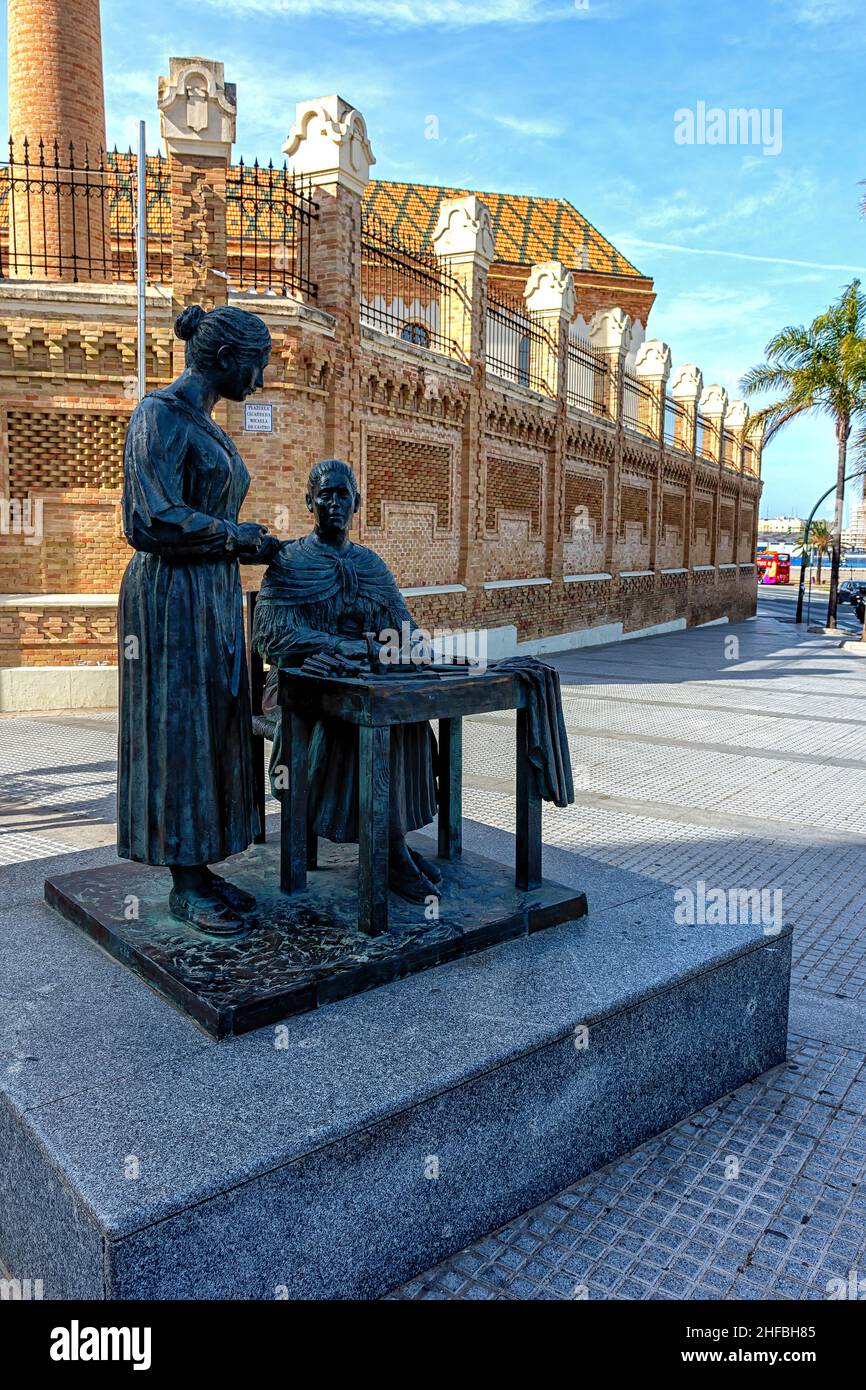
point(587, 378)
point(729, 448)
point(640, 405)
point(67, 215)
point(407, 292)
point(750, 460)
point(705, 438)
point(269, 219)
point(676, 429)
point(518, 349)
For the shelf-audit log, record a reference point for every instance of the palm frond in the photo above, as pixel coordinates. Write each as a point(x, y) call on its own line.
point(774, 418)
point(816, 367)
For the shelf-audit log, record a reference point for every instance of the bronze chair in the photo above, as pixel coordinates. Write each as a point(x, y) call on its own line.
point(263, 730)
point(263, 724)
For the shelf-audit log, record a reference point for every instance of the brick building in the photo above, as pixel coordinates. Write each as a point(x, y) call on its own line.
point(530, 463)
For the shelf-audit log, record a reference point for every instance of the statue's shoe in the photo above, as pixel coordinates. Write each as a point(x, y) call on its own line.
point(231, 895)
point(210, 915)
point(415, 888)
point(428, 869)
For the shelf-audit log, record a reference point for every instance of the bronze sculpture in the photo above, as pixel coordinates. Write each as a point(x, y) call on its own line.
point(325, 607)
point(353, 744)
point(185, 786)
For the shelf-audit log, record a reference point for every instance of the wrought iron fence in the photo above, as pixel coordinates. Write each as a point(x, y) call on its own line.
point(269, 218)
point(518, 349)
point(676, 426)
point(587, 378)
point(729, 446)
point(68, 216)
point(750, 460)
point(407, 292)
point(705, 439)
point(640, 405)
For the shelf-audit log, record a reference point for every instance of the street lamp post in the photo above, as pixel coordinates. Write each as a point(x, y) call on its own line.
point(805, 549)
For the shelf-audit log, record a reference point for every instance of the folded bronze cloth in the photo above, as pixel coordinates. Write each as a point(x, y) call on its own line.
point(548, 741)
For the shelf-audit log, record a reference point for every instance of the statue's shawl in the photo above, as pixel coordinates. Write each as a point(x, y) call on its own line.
point(320, 584)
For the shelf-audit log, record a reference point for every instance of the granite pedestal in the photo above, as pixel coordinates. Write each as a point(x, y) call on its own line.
point(304, 949)
point(341, 1152)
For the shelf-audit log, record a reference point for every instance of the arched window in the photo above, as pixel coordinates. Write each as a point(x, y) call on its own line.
point(523, 351)
point(415, 333)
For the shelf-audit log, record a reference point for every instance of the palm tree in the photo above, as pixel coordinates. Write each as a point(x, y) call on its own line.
point(820, 367)
point(820, 539)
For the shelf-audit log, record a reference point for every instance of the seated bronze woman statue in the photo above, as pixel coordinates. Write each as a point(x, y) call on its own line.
point(325, 606)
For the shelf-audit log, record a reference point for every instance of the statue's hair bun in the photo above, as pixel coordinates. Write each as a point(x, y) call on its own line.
point(188, 321)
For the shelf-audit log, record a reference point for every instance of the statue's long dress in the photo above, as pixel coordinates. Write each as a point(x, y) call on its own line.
point(311, 597)
point(185, 783)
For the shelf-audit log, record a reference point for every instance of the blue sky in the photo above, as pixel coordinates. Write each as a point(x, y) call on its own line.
point(579, 100)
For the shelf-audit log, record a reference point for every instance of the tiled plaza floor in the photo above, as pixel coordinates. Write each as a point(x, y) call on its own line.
point(668, 1221)
point(746, 772)
point(742, 764)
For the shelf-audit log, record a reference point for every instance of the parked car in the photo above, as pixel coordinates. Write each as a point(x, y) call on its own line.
point(852, 591)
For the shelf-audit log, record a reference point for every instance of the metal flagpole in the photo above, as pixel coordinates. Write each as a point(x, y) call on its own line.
point(141, 258)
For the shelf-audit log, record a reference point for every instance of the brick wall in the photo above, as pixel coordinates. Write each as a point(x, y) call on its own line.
point(35, 635)
point(466, 481)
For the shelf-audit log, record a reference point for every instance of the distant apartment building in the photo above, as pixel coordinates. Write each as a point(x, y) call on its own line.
point(781, 525)
point(854, 535)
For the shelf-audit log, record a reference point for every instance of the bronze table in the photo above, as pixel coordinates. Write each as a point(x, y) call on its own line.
point(374, 704)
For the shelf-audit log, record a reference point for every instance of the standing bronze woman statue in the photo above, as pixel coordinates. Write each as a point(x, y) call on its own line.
point(185, 779)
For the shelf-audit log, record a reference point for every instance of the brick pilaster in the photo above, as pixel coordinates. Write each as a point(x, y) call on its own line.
point(463, 241)
point(328, 146)
point(550, 299)
point(610, 330)
point(198, 112)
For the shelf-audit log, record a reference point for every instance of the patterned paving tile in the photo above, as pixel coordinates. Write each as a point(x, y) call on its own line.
point(759, 1196)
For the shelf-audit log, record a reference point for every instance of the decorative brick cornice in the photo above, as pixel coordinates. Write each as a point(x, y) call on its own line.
point(507, 419)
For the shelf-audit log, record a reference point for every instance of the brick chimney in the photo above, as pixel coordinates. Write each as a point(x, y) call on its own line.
point(56, 93)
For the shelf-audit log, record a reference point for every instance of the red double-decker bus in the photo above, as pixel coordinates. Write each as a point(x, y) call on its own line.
point(774, 567)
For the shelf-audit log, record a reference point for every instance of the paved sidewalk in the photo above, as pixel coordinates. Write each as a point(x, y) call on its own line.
point(732, 755)
point(743, 765)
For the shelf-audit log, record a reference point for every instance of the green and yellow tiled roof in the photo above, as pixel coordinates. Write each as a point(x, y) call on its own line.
point(526, 230)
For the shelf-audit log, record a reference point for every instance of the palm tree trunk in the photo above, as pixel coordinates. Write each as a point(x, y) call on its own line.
point(843, 429)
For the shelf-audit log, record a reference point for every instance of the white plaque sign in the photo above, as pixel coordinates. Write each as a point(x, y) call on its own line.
point(258, 417)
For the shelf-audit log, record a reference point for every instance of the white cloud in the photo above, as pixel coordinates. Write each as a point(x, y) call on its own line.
point(409, 13)
point(625, 240)
point(749, 201)
point(817, 12)
point(710, 309)
point(722, 329)
point(266, 99)
point(130, 97)
point(535, 129)
point(676, 210)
